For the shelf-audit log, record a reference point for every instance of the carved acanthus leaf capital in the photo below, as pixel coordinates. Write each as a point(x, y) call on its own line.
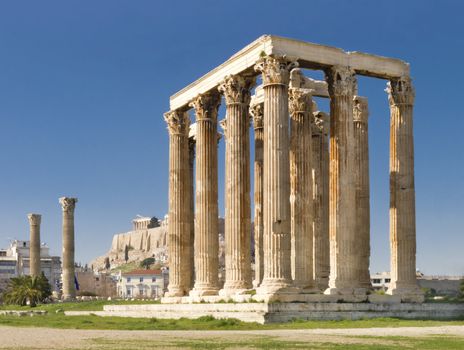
point(400, 91)
point(299, 101)
point(360, 109)
point(275, 69)
point(236, 89)
point(68, 204)
point(223, 125)
point(341, 81)
point(34, 219)
point(206, 106)
point(322, 122)
point(178, 122)
point(257, 114)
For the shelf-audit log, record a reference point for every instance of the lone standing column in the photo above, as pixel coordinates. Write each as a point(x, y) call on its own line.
point(34, 250)
point(301, 205)
point(276, 184)
point(179, 204)
point(69, 288)
point(402, 193)
point(343, 241)
point(257, 112)
point(361, 146)
point(206, 221)
point(320, 175)
point(236, 90)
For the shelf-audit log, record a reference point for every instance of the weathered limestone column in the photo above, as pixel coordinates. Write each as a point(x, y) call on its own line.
point(276, 183)
point(192, 210)
point(236, 90)
point(257, 112)
point(402, 193)
point(361, 156)
point(206, 220)
point(69, 288)
point(179, 204)
point(34, 249)
point(343, 238)
point(320, 176)
point(301, 205)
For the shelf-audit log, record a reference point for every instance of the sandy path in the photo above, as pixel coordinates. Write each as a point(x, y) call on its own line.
point(50, 338)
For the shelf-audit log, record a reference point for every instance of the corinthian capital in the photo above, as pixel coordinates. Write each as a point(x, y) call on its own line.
point(341, 81)
point(400, 91)
point(360, 109)
point(322, 123)
point(236, 89)
point(178, 122)
point(206, 106)
point(34, 219)
point(223, 124)
point(275, 69)
point(257, 113)
point(68, 204)
point(299, 101)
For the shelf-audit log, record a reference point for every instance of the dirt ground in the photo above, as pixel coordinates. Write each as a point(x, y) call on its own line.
point(48, 338)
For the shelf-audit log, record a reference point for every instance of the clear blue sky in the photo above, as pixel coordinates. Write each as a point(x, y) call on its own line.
point(84, 84)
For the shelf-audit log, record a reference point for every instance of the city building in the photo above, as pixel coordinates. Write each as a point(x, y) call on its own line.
point(14, 261)
point(95, 283)
point(142, 284)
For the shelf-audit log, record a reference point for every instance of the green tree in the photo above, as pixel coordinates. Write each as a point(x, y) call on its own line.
point(25, 290)
point(461, 290)
point(146, 263)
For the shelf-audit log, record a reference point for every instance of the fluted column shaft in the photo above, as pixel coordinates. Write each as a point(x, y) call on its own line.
point(179, 204)
point(257, 113)
point(402, 192)
point(276, 183)
point(236, 90)
point(206, 196)
point(343, 242)
point(301, 205)
point(320, 176)
point(361, 155)
point(192, 209)
point(69, 287)
point(34, 249)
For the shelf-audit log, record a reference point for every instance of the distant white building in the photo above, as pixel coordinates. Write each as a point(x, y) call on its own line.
point(380, 280)
point(142, 284)
point(14, 261)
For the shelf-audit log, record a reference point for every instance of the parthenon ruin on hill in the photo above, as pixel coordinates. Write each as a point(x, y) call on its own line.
point(311, 177)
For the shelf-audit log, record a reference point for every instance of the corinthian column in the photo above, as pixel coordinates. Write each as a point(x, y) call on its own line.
point(206, 221)
point(301, 205)
point(343, 241)
point(402, 192)
point(257, 113)
point(34, 249)
point(276, 184)
point(320, 176)
point(69, 287)
point(361, 156)
point(179, 204)
point(236, 90)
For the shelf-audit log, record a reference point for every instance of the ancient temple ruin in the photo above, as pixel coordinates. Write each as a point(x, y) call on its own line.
point(311, 177)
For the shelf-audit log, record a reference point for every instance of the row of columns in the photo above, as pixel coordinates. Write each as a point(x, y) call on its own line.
point(68, 205)
point(308, 201)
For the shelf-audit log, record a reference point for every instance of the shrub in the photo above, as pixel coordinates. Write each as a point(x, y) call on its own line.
point(25, 290)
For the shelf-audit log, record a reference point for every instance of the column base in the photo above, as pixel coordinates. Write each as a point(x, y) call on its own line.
point(272, 290)
point(203, 291)
point(235, 288)
point(408, 293)
point(66, 298)
point(175, 292)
